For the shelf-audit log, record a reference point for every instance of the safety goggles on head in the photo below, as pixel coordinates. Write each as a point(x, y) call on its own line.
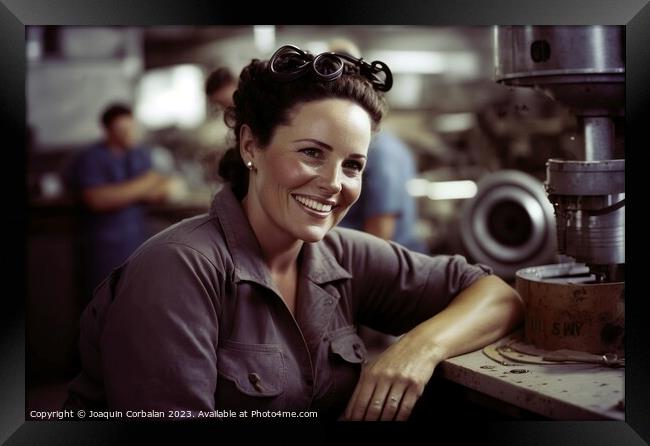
point(290, 62)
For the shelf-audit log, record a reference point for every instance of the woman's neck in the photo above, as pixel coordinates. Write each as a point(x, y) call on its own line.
point(280, 249)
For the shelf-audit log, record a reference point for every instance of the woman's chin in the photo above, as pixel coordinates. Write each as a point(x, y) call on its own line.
point(313, 234)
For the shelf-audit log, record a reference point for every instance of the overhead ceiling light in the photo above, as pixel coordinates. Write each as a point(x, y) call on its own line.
point(457, 63)
point(34, 50)
point(451, 190)
point(410, 61)
point(316, 47)
point(406, 91)
point(441, 190)
point(264, 37)
point(454, 122)
point(417, 187)
point(171, 97)
point(34, 43)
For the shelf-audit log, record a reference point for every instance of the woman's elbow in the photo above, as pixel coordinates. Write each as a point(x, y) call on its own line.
point(509, 300)
point(500, 300)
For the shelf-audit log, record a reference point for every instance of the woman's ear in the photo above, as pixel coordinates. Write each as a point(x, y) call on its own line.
point(247, 144)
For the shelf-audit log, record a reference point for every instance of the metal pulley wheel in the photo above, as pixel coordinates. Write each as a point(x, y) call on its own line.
point(509, 224)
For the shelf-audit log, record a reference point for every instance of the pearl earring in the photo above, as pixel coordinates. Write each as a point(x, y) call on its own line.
point(249, 165)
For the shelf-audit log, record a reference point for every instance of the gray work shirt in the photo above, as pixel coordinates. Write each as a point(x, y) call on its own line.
point(193, 321)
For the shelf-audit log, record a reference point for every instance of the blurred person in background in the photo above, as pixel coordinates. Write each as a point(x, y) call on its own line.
point(255, 304)
point(384, 208)
point(220, 86)
point(114, 178)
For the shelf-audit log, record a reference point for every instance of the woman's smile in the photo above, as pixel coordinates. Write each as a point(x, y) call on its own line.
point(313, 206)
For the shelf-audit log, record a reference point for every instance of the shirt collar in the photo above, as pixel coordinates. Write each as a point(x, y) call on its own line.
point(318, 262)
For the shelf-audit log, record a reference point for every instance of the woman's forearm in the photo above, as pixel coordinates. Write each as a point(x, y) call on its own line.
point(479, 315)
point(390, 386)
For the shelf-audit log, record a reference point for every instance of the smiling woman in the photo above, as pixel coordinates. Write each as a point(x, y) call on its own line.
point(309, 175)
point(255, 305)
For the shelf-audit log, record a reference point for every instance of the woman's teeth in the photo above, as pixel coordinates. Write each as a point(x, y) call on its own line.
point(313, 204)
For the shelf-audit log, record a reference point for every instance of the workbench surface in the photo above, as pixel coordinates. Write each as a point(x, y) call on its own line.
point(562, 391)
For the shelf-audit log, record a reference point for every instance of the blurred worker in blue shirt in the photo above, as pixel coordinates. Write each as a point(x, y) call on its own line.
point(385, 207)
point(113, 179)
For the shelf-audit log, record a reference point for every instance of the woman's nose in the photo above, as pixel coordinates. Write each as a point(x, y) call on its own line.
point(330, 180)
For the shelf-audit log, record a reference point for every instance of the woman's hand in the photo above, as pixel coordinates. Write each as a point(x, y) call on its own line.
point(390, 386)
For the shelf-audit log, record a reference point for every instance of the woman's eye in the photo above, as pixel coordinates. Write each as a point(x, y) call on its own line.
point(312, 152)
point(354, 165)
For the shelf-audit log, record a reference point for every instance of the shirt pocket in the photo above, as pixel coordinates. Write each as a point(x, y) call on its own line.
point(346, 355)
point(251, 376)
point(346, 344)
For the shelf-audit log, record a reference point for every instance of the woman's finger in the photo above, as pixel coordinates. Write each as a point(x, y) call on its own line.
point(409, 399)
point(392, 403)
point(375, 405)
point(366, 388)
point(353, 399)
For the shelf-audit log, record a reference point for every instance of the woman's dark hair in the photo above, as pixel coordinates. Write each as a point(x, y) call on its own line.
point(263, 104)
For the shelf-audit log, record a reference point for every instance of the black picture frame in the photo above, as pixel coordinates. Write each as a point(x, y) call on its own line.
point(15, 15)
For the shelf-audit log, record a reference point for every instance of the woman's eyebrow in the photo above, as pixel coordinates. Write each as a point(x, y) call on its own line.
point(327, 146)
point(315, 141)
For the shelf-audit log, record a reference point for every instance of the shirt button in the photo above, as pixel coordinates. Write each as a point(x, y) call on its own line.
point(256, 381)
point(329, 301)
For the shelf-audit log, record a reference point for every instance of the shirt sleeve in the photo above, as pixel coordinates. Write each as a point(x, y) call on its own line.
point(140, 162)
point(159, 343)
point(395, 289)
point(91, 171)
point(383, 186)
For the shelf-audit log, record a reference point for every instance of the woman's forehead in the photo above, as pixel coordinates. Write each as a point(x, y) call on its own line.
point(335, 122)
